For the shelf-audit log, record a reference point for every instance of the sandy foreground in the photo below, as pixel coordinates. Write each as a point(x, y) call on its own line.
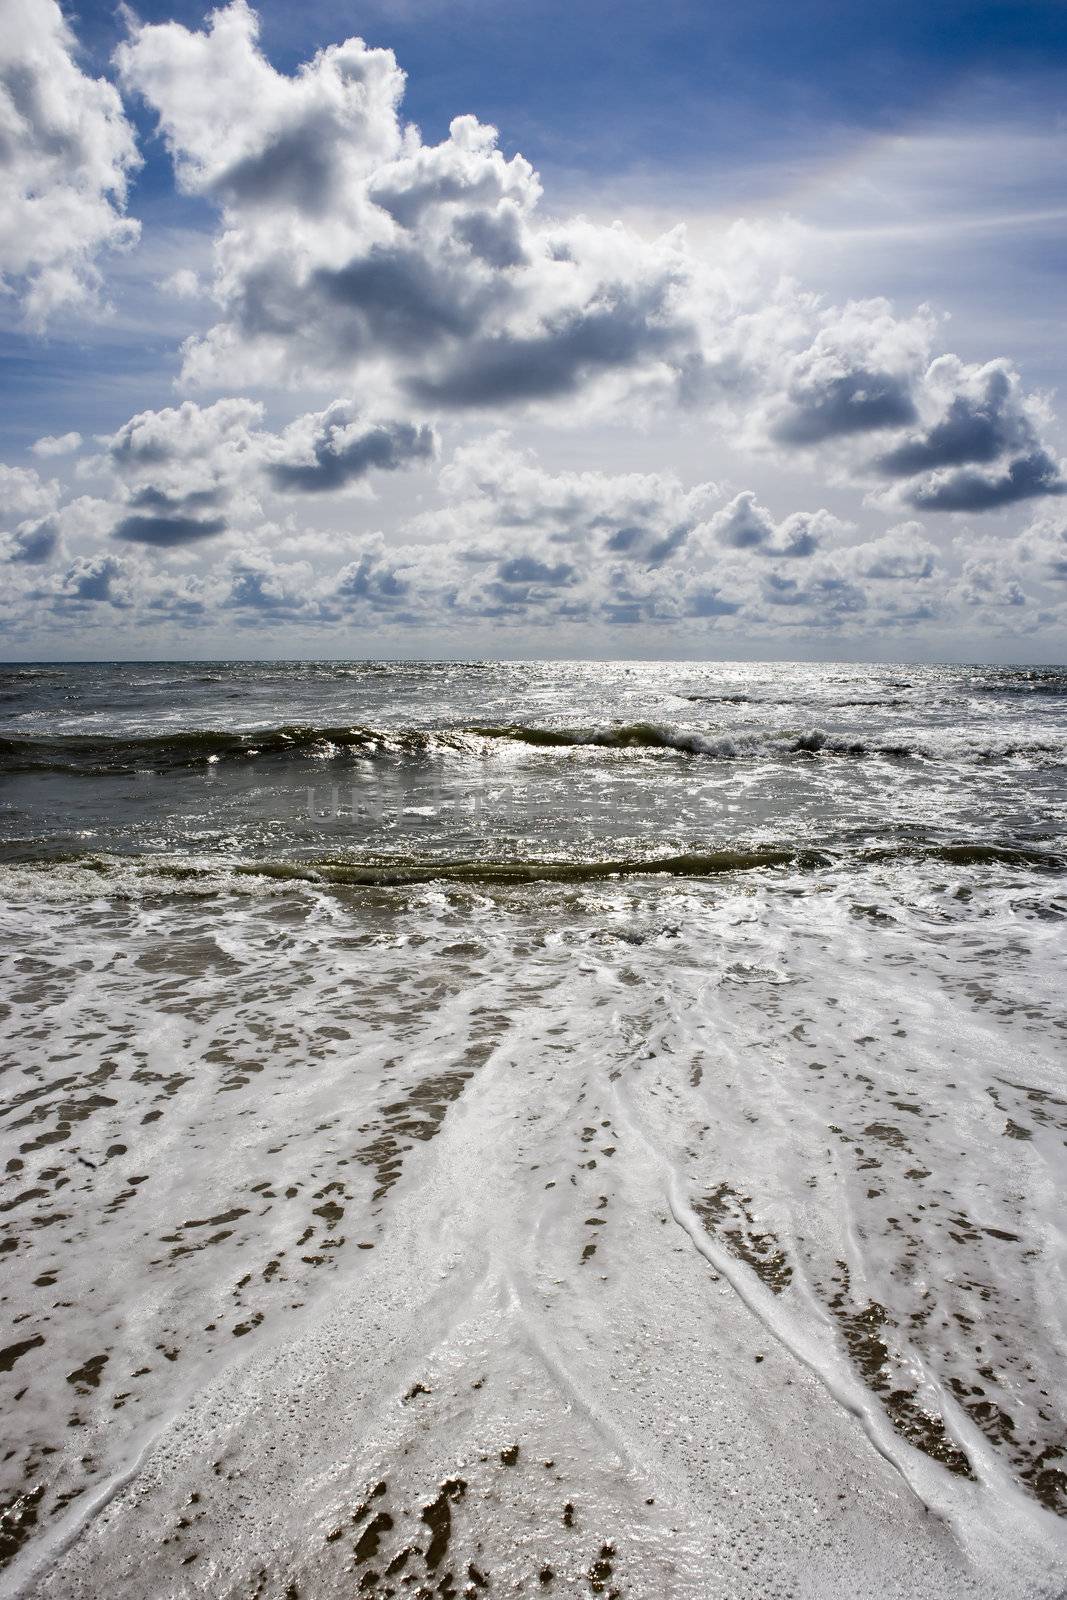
point(554, 1366)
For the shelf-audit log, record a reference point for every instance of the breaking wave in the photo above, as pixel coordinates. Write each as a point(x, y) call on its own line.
point(26, 872)
point(101, 756)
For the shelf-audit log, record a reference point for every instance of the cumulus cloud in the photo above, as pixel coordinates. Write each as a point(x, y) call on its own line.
point(183, 284)
point(24, 493)
point(91, 581)
point(900, 554)
point(258, 587)
point(969, 489)
point(430, 280)
point(66, 153)
point(165, 520)
point(965, 437)
point(29, 527)
point(511, 544)
point(1044, 546)
point(180, 469)
point(745, 525)
point(990, 583)
point(516, 541)
point(350, 246)
point(33, 542)
point(826, 594)
point(502, 501)
point(330, 450)
point(37, 541)
point(189, 472)
point(381, 581)
point(63, 444)
point(981, 450)
point(857, 376)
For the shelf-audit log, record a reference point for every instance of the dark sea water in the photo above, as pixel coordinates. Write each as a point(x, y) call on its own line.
point(529, 763)
point(655, 1069)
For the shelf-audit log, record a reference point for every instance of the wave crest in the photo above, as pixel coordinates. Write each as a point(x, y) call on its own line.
point(94, 755)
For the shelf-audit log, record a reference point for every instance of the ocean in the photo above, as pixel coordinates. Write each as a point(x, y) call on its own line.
point(577, 1128)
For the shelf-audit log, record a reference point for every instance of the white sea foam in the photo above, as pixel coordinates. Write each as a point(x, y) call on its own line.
point(734, 1204)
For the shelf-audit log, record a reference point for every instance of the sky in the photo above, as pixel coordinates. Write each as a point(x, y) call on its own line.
point(645, 330)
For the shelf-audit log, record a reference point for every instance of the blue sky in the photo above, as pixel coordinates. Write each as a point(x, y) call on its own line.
point(874, 208)
point(661, 83)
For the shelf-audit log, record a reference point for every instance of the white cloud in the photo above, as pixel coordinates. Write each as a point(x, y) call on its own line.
point(990, 583)
point(24, 493)
point(190, 473)
point(30, 523)
point(181, 469)
point(899, 554)
point(351, 247)
point(67, 152)
point(51, 444)
point(432, 276)
point(183, 284)
point(511, 546)
point(515, 542)
point(501, 500)
point(746, 525)
point(856, 377)
point(1044, 546)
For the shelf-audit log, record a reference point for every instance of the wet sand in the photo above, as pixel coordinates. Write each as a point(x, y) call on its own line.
point(610, 1239)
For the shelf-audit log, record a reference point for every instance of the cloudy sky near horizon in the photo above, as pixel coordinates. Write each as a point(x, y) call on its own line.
point(635, 329)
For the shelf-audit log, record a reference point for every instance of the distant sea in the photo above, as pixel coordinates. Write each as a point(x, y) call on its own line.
point(533, 1128)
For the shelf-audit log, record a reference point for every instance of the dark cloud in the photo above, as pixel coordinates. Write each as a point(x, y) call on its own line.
point(527, 570)
point(153, 500)
point(133, 448)
point(348, 240)
point(264, 590)
point(35, 542)
point(796, 538)
point(297, 168)
point(336, 451)
point(370, 578)
point(397, 299)
point(828, 594)
point(707, 601)
point(970, 490)
point(494, 237)
point(639, 542)
point(985, 422)
point(90, 581)
point(623, 329)
point(859, 401)
point(187, 472)
point(166, 532)
point(179, 468)
point(779, 590)
point(166, 520)
point(743, 525)
point(408, 194)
